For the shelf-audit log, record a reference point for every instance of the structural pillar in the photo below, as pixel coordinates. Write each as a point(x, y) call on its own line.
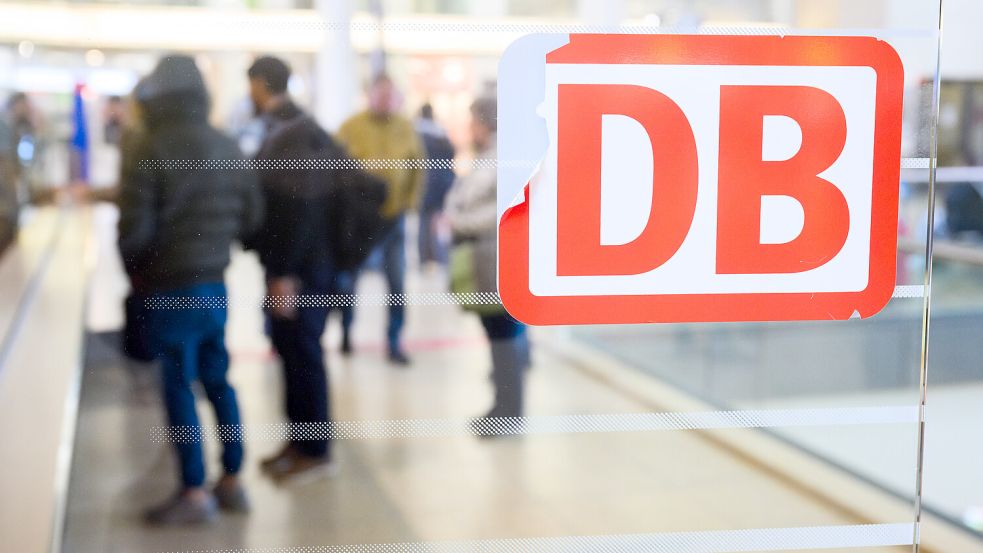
point(335, 75)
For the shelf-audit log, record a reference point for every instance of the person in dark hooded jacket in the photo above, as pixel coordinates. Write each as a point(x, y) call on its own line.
point(178, 219)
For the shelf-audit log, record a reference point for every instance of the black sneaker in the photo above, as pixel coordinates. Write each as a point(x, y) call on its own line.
point(397, 357)
point(346, 345)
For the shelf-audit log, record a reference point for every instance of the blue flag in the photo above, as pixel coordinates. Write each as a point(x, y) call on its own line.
point(80, 140)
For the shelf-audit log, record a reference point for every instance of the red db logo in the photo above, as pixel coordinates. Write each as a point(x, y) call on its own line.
point(704, 178)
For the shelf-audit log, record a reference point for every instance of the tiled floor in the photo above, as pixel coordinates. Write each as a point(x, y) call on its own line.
point(421, 489)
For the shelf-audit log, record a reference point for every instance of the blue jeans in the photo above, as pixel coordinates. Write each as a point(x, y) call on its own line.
point(429, 243)
point(392, 249)
point(190, 343)
point(298, 343)
point(510, 358)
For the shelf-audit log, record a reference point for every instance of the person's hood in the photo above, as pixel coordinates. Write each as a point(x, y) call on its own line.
point(174, 91)
point(173, 75)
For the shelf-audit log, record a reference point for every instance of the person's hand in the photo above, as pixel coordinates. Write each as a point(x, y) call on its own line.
point(282, 295)
point(442, 228)
point(75, 193)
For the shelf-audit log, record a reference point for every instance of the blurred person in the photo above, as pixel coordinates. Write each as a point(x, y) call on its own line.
point(125, 121)
point(964, 211)
point(22, 115)
point(175, 231)
point(113, 120)
point(9, 202)
point(25, 122)
point(381, 133)
point(136, 340)
point(293, 248)
point(131, 133)
point(246, 126)
point(472, 212)
point(437, 146)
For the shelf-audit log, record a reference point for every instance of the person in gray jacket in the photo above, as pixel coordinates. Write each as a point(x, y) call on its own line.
point(472, 212)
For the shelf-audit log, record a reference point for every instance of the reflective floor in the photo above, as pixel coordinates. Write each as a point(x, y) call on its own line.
point(421, 489)
point(451, 487)
point(846, 364)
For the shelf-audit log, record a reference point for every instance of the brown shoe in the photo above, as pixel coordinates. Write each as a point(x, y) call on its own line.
point(302, 468)
point(271, 464)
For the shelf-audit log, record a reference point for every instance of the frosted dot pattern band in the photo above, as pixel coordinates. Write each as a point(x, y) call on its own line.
point(328, 164)
point(719, 541)
point(560, 424)
point(408, 299)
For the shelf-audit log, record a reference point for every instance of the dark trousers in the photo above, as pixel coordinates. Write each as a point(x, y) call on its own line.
point(190, 343)
point(298, 343)
point(392, 249)
point(429, 243)
point(345, 285)
point(510, 358)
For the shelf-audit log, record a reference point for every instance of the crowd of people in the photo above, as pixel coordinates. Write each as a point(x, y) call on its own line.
point(312, 226)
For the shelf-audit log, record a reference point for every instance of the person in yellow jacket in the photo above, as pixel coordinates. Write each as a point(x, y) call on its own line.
point(381, 133)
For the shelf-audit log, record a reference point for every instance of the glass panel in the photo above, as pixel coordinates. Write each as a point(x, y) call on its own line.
point(872, 363)
point(378, 390)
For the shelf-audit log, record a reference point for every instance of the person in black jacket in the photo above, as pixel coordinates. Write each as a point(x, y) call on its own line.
point(177, 223)
point(294, 249)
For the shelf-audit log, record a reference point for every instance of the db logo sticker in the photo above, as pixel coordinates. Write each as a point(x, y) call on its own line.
point(698, 178)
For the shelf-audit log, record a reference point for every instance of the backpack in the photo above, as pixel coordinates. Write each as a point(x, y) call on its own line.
point(964, 209)
point(352, 198)
point(357, 225)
